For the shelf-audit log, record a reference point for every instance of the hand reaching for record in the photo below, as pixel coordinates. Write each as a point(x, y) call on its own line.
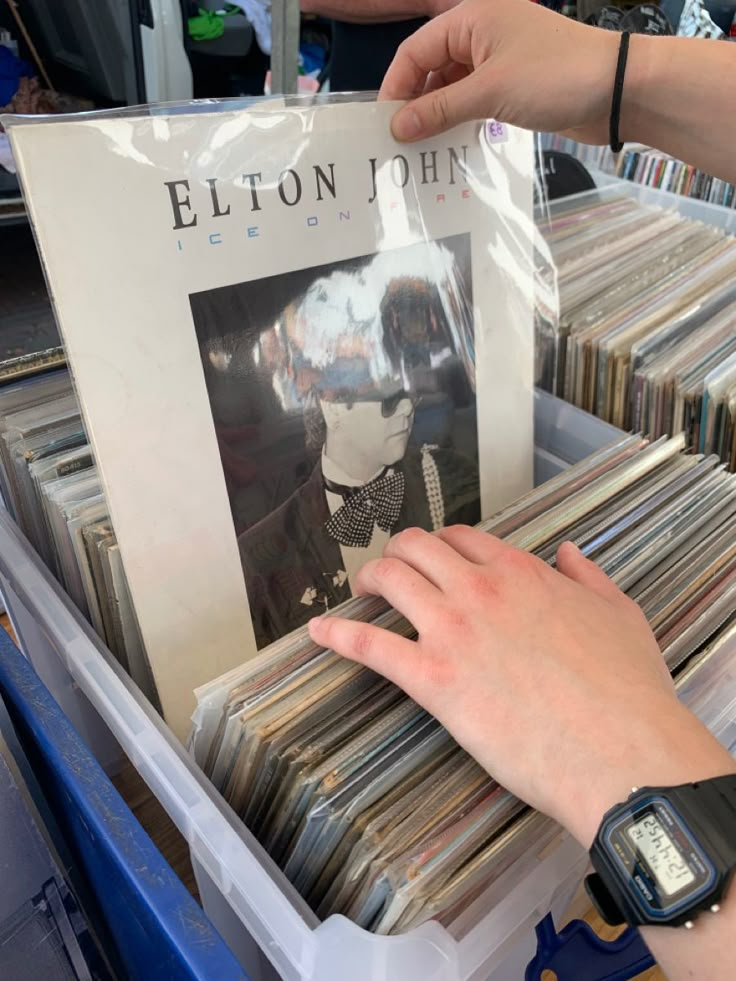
point(520, 63)
point(552, 680)
point(512, 61)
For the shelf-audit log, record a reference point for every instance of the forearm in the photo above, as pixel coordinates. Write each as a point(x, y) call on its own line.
point(366, 11)
point(679, 95)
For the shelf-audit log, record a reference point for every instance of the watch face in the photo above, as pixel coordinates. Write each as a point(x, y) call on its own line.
point(666, 870)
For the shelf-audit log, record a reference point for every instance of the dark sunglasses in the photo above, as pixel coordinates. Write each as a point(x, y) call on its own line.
point(390, 403)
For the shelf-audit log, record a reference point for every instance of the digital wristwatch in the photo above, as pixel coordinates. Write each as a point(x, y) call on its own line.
point(666, 854)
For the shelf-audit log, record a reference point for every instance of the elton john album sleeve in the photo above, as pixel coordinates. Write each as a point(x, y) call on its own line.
point(291, 337)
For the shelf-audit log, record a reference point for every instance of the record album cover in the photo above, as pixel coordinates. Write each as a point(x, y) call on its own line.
point(290, 337)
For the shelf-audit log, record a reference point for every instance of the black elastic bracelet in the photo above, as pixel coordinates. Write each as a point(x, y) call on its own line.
point(618, 89)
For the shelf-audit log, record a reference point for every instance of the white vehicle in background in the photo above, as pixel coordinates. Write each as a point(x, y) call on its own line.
point(121, 52)
point(167, 74)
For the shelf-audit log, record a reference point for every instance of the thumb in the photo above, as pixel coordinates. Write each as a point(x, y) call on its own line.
point(439, 110)
point(572, 563)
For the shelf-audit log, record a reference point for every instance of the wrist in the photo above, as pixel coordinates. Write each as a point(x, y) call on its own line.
point(669, 748)
point(646, 73)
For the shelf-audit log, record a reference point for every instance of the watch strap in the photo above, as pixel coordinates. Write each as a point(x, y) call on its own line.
point(724, 788)
point(711, 808)
point(608, 905)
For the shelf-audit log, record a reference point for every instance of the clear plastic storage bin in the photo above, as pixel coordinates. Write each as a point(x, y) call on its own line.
point(246, 896)
point(710, 214)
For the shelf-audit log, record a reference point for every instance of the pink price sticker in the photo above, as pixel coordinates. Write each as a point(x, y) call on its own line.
point(496, 132)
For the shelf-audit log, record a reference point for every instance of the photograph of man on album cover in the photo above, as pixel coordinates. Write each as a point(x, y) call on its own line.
point(343, 401)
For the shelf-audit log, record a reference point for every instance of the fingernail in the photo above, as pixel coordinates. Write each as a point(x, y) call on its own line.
point(572, 547)
point(407, 125)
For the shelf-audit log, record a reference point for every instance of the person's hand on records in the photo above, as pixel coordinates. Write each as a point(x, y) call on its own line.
point(552, 680)
point(524, 64)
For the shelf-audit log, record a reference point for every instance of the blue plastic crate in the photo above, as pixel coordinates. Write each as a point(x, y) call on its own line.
point(150, 925)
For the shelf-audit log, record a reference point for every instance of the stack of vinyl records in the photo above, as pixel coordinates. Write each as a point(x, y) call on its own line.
point(51, 486)
point(363, 799)
point(644, 334)
point(642, 165)
point(708, 687)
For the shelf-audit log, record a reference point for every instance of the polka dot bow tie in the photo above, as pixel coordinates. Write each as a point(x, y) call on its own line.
point(376, 503)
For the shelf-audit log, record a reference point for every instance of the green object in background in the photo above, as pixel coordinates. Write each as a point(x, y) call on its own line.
point(206, 26)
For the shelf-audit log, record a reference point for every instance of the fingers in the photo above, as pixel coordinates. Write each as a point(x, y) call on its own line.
point(425, 51)
point(392, 656)
point(441, 109)
point(572, 563)
point(476, 546)
point(402, 586)
point(439, 51)
point(432, 558)
point(445, 76)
